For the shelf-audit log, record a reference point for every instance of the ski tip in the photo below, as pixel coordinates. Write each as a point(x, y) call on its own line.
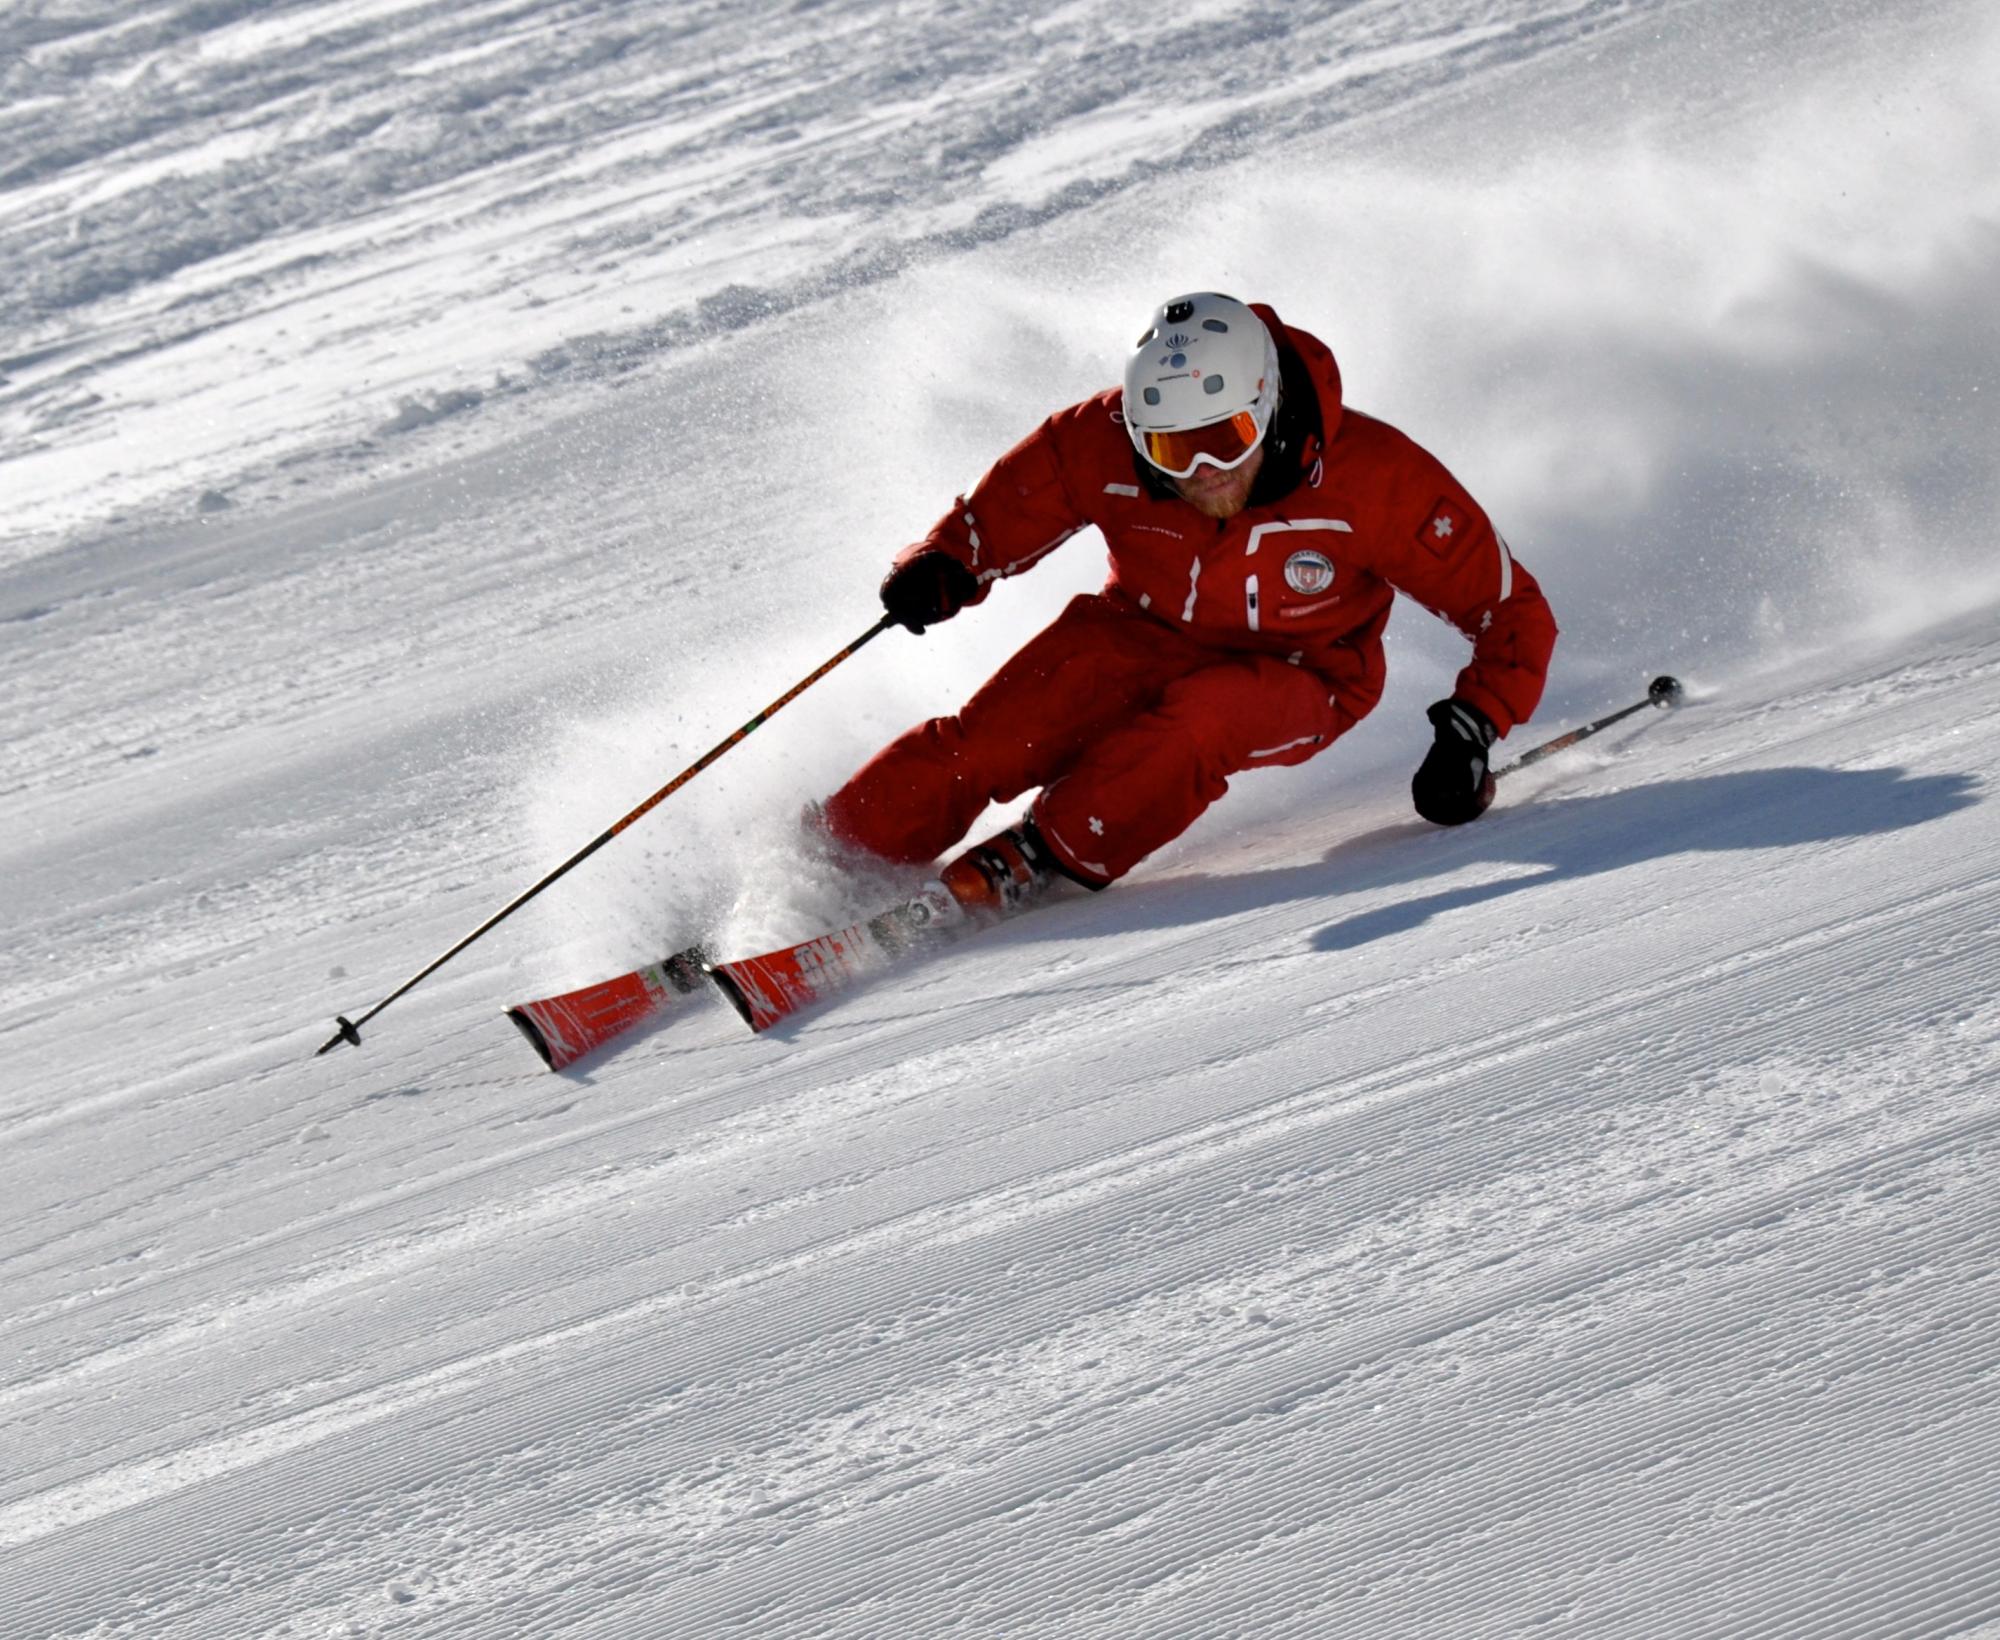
point(535, 1038)
point(565, 1027)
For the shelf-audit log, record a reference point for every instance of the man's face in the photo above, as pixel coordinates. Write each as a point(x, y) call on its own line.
point(1218, 494)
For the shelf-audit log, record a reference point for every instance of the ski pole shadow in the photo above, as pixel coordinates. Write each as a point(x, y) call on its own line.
point(1573, 839)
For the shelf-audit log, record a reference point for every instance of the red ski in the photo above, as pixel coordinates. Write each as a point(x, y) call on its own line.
point(1001, 876)
point(562, 1029)
point(768, 989)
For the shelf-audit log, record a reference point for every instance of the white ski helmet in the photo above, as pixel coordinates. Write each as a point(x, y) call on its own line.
point(1201, 385)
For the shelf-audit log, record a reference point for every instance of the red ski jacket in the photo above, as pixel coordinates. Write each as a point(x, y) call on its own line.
point(1308, 575)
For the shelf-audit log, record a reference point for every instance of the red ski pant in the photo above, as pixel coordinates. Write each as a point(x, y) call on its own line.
point(1130, 726)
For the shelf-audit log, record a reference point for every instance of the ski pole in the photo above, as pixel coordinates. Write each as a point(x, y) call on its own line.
point(1662, 692)
point(350, 1029)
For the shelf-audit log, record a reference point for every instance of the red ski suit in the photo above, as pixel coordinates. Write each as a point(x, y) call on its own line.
point(1214, 647)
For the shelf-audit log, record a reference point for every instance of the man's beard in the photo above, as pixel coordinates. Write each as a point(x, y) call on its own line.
point(1224, 501)
point(1224, 504)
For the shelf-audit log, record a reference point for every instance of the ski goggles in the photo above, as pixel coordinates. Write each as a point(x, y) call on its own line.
point(1226, 444)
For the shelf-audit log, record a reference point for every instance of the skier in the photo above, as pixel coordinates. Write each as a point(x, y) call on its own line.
point(1258, 531)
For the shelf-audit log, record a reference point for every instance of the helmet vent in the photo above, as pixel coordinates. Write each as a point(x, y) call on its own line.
point(1178, 313)
point(1143, 340)
point(1215, 325)
point(1212, 385)
point(1152, 395)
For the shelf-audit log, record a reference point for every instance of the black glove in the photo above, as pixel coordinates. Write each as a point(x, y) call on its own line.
point(1453, 785)
point(927, 589)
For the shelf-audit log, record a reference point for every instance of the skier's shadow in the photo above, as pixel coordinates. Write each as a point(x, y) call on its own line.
point(1580, 837)
point(1588, 836)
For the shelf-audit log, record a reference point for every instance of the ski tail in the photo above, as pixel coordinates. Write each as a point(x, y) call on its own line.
point(563, 1028)
point(769, 989)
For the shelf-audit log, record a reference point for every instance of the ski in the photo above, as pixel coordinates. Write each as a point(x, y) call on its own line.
point(769, 989)
point(563, 1028)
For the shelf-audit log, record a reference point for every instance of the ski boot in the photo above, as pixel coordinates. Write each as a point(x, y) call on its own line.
point(1001, 875)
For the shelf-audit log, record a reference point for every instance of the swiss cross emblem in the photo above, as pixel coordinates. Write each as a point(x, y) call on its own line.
point(1447, 521)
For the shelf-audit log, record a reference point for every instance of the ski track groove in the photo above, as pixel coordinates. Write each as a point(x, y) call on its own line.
point(1798, 942)
point(1347, 1524)
point(1115, 1171)
point(1573, 1289)
point(1350, 1521)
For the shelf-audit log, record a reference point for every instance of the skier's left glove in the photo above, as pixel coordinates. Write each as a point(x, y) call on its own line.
point(1454, 785)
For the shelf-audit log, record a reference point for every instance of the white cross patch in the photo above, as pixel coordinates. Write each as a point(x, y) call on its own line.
point(1096, 826)
point(1441, 525)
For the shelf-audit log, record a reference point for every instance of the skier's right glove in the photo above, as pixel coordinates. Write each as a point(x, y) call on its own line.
point(1453, 785)
point(927, 589)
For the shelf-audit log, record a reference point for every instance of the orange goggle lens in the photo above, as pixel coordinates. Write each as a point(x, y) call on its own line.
point(1224, 444)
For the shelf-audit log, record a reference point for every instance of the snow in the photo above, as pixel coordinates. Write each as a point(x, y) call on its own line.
point(1575, 1224)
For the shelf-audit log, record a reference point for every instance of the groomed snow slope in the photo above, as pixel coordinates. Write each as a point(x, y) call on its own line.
point(1582, 1224)
point(1578, 1224)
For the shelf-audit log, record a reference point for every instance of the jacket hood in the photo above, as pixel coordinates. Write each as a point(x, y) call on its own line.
point(1318, 362)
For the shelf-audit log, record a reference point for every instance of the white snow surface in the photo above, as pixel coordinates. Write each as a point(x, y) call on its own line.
point(425, 428)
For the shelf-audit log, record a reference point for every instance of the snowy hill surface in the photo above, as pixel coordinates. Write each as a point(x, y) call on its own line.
point(425, 428)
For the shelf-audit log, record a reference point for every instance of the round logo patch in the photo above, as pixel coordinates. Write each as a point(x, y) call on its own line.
point(1309, 572)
